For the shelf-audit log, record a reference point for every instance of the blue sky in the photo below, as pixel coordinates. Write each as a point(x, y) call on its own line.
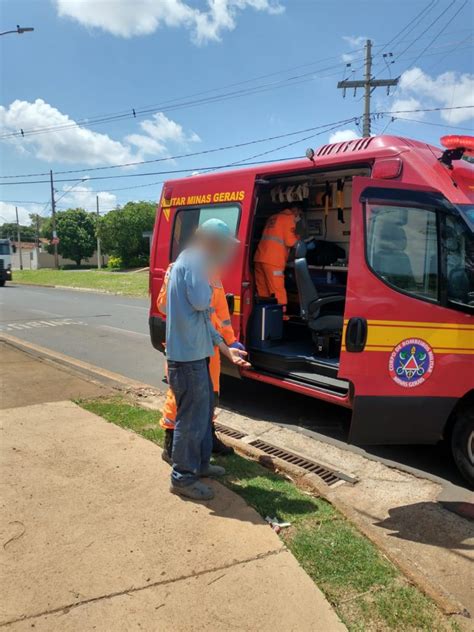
point(91, 57)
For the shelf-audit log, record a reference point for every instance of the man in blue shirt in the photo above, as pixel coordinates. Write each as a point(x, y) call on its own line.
point(190, 341)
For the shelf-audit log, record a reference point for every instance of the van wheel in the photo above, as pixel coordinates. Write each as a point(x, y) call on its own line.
point(2, 283)
point(462, 443)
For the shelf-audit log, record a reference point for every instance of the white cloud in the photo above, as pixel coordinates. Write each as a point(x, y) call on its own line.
point(355, 40)
point(343, 134)
point(160, 133)
point(81, 145)
point(7, 212)
point(347, 57)
point(446, 90)
point(82, 196)
point(75, 144)
point(410, 103)
point(127, 18)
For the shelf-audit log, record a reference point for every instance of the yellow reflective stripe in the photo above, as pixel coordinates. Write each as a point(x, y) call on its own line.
point(236, 304)
point(384, 335)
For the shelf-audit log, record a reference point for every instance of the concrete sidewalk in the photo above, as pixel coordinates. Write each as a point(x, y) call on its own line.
point(93, 540)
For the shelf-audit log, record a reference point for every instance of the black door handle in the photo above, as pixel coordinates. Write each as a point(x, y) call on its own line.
point(230, 302)
point(356, 334)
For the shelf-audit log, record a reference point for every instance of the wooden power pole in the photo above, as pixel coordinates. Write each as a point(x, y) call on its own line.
point(369, 84)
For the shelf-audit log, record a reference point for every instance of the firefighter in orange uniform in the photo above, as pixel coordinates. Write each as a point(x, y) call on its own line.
point(220, 318)
point(279, 235)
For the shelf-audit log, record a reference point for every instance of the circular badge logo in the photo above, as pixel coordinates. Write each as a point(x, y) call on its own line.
point(411, 362)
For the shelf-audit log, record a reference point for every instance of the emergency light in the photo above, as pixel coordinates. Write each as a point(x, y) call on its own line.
point(457, 146)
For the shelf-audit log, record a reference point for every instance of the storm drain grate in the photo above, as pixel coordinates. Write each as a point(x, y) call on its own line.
point(229, 432)
point(328, 476)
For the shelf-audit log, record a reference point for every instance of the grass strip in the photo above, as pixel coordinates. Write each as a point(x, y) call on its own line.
point(368, 591)
point(128, 284)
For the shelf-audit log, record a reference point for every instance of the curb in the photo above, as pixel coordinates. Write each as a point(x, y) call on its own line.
point(85, 370)
point(312, 483)
point(303, 480)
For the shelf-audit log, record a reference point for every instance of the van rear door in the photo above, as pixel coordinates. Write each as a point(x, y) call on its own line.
point(404, 351)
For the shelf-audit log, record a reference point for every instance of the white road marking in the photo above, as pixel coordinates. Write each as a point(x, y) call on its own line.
point(124, 331)
point(33, 324)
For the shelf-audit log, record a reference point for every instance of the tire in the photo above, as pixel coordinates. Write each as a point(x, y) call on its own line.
point(2, 282)
point(462, 443)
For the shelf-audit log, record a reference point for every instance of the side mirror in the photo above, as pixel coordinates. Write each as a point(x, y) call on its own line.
point(13, 248)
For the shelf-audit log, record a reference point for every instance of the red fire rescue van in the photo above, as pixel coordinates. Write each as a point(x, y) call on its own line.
point(380, 311)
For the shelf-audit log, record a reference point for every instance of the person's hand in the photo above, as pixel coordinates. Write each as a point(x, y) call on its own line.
point(237, 345)
point(238, 357)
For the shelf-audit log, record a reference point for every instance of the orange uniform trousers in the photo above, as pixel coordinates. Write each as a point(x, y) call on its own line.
point(270, 281)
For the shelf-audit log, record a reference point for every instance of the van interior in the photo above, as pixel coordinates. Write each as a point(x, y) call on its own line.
point(304, 344)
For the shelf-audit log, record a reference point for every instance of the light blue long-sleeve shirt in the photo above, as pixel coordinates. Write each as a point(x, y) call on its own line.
point(189, 333)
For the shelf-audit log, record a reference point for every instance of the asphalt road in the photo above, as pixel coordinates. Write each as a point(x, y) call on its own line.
point(112, 332)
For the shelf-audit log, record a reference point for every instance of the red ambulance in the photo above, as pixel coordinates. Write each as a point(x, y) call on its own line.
point(380, 311)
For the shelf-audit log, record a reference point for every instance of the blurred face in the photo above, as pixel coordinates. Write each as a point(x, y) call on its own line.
point(220, 251)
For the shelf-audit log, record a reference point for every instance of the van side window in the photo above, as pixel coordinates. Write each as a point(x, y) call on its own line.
point(459, 248)
point(402, 248)
point(188, 219)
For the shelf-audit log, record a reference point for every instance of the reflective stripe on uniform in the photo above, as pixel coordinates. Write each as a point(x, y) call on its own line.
point(226, 323)
point(277, 272)
point(272, 238)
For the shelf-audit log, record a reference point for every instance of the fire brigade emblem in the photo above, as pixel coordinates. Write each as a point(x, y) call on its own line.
point(411, 362)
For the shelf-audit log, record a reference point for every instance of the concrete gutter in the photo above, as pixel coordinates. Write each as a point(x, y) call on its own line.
point(397, 510)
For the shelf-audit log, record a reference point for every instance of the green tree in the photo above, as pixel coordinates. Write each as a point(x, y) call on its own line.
point(121, 232)
point(9, 229)
point(76, 232)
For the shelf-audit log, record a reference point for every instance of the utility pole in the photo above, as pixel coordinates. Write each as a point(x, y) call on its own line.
point(99, 254)
point(53, 217)
point(18, 237)
point(369, 84)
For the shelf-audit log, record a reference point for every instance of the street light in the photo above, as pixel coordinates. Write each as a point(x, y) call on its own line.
point(20, 30)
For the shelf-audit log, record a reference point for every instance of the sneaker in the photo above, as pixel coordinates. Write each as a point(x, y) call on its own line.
point(213, 470)
point(196, 491)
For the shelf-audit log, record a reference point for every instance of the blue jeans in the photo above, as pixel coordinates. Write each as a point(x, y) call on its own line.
point(192, 438)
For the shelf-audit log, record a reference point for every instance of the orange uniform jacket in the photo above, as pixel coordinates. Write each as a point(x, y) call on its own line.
point(220, 318)
point(277, 239)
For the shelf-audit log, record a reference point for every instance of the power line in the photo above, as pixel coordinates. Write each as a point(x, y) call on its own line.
point(172, 171)
point(441, 31)
point(136, 112)
point(438, 17)
point(177, 157)
point(414, 22)
point(174, 104)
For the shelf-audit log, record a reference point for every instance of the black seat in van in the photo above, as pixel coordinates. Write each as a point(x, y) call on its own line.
point(311, 303)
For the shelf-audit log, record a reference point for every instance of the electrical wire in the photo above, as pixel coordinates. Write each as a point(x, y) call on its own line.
point(414, 22)
point(177, 157)
point(243, 163)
